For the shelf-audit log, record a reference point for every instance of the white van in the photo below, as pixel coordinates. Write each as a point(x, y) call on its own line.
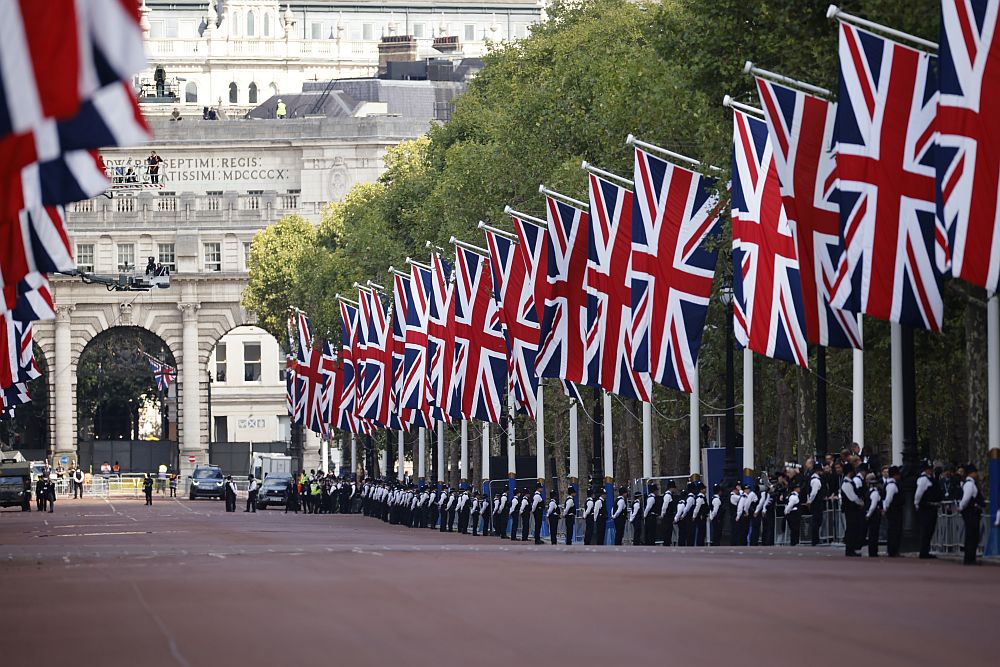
point(264, 465)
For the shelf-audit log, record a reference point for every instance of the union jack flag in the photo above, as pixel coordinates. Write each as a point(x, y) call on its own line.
point(440, 337)
point(414, 396)
point(17, 358)
point(347, 377)
point(513, 291)
point(376, 380)
point(400, 418)
point(11, 397)
point(480, 349)
point(675, 226)
point(163, 373)
point(562, 345)
point(308, 377)
point(34, 241)
point(884, 137)
point(767, 291)
point(801, 132)
point(327, 398)
point(29, 300)
point(609, 253)
point(968, 149)
point(290, 366)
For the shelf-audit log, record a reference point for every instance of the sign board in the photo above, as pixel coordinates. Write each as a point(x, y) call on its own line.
point(63, 460)
point(192, 459)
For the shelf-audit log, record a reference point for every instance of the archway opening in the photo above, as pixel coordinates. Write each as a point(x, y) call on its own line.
point(127, 401)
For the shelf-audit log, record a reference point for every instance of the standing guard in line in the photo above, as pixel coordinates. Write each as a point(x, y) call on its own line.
point(515, 515)
point(817, 503)
point(971, 508)
point(926, 500)
point(668, 512)
point(147, 489)
point(552, 514)
point(619, 517)
point(600, 514)
point(700, 515)
point(680, 509)
point(451, 505)
point(792, 517)
point(569, 515)
point(442, 509)
point(715, 517)
point(477, 508)
point(851, 505)
point(525, 517)
point(741, 521)
point(685, 518)
point(892, 508)
point(588, 519)
point(873, 515)
point(635, 518)
point(78, 483)
point(251, 494)
point(536, 511)
point(753, 534)
point(500, 525)
point(463, 508)
point(650, 513)
point(764, 516)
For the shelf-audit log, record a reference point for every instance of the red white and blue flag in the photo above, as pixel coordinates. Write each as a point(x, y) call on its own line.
point(30, 299)
point(327, 398)
point(33, 242)
point(480, 368)
point(562, 342)
point(376, 379)
point(609, 331)
point(801, 130)
point(414, 397)
point(675, 228)
point(308, 377)
point(347, 378)
point(17, 358)
point(290, 365)
point(12, 397)
point(440, 337)
point(767, 290)
point(163, 373)
point(401, 418)
point(968, 145)
point(884, 138)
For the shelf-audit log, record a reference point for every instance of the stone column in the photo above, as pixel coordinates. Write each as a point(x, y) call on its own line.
point(190, 387)
point(62, 377)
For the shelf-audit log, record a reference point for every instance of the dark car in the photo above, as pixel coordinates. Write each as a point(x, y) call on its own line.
point(15, 484)
point(207, 482)
point(274, 491)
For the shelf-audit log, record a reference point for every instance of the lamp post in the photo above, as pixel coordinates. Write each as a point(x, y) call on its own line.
point(729, 470)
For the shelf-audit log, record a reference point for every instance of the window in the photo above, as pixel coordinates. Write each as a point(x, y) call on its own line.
point(234, 92)
point(213, 200)
point(213, 257)
point(282, 361)
point(126, 256)
point(316, 31)
point(236, 24)
point(85, 256)
point(443, 110)
point(220, 362)
point(251, 20)
point(246, 255)
point(470, 32)
point(368, 32)
point(252, 93)
point(171, 28)
point(267, 24)
point(284, 428)
point(156, 30)
point(418, 30)
point(166, 256)
point(221, 429)
point(191, 92)
point(251, 362)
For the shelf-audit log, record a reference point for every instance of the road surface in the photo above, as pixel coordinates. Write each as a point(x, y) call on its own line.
point(184, 583)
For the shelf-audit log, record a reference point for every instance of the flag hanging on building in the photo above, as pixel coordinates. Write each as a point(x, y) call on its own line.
point(884, 137)
point(376, 379)
point(675, 234)
point(480, 368)
point(17, 358)
point(968, 146)
point(609, 330)
point(800, 127)
point(347, 377)
point(562, 342)
point(767, 290)
point(513, 291)
point(440, 337)
point(163, 373)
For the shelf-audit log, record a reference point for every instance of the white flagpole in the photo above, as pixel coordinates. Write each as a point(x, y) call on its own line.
point(647, 440)
point(540, 438)
point(400, 457)
point(574, 442)
point(858, 394)
point(694, 443)
point(747, 409)
point(354, 456)
point(325, 453)
point(511, 442)
point(463, 466)
point(421, 455)
point(609, 463)
point(440, 453)
point(896, 335)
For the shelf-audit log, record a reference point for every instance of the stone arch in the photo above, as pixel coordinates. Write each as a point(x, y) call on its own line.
point(252, 93)
point(267, 24)
point(251, 23)
point(191, 92)
point(234, 93)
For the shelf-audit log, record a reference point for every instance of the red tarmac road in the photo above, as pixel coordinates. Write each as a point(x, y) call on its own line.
point(184, 583)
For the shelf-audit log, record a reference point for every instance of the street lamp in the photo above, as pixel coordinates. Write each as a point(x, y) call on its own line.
point(729, 471)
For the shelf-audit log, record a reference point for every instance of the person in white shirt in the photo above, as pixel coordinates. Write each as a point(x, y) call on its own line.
point(649, 515)
point(504, 515)
point(600, 514)
point(525, 516)
point(537, 509)
point(852, 507)
point(251, 495)
point(569, 515)
point(971, 508)
point(892, 509)
point(588, 519)
point(619, 516)
point(552, 515)
point(873, 514)
point(715, 517)
point(793, 521)
point(926, 500)
point(635, 518)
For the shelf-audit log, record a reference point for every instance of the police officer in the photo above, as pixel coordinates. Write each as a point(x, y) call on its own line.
point(971, 508)
point(537, 511)
point(525, 516)
point(251, 494)
point(700, 515)
point(40, 492)
point(635, 518)
point(925, 500)
point(503, 515)
point(77, 483)
point(230, 492)
point(600, 514)
point(892, 508)
point(873, 514)
point(569, 514)
point(817, 503)
point(668, 512)
point(852, 507)
point(50, 494)
point(588, 518)
point(715, 516)
point(552, 514)
point(793, 521)
point(147, 488)
point(515, 514)
point(477, 509)
point(619, 517)
point(650, 513)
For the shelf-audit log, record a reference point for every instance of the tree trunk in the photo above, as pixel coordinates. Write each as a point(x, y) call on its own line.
point(975, 376)
point(806, 431)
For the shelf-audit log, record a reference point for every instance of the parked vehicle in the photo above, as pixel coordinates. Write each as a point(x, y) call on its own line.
point(274, 491)
point(264, 464)
point(206, 482)
point(15, 484)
